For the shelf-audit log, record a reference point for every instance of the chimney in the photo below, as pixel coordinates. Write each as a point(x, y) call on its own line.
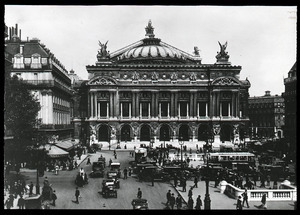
point(20, 34)
point(13, 31)
point(16, 29)
point(27, 39)
point(267, 93)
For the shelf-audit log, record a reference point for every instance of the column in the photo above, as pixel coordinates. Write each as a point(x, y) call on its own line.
point(140, 115)
point(121, 110)
point(129, 110)
point(137, 111)
point(178, 109)
point(233, 104)
point(187, 109)
point(191, 104)
point(99, 108)
point(212, 103)
point(95, 104)
point(159, 111)
point(92, 104)
point(176, 113)
point(198, 109)
point(172, 104)
point(229, 109)
point(168, 109)
point(107, 110)
point(220, 113)
point(133, 103)
point(156, 104)
point(149, 113)
point(111, 104)
point(117, 103)
point(206, 109)
point(195, 104)
point(218, 103)
point(152, 104)
point(238, 104)
point(46, 108)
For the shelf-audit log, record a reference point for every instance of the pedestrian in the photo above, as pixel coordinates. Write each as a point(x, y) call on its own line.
point(190, 194)
point(21, 202)
point(75, 164)
point(77, 194)
point(239, 203)
point(116, 156)
point(125, 173)
point(175, 180)
point(268, 180)
point(264, 202)
point(183, 185)
point(54, 197)
point(198, 203)
point(196, 182)
point(56, 169)
point(129, 173)
point(30, 188)
point(110, 161)
point(172, 201)
point(178, 202)
point(217, 179)
point(7, 204)
point(168, 197)
point(88, 161)
point(190, 203)
point(139, 193)
point(275, 185)
point(245, 198)
point(152, 180)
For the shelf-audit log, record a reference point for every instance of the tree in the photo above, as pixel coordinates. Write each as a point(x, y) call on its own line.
point(20, 117)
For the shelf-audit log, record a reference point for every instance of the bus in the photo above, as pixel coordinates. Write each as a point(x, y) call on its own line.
point(233, 160)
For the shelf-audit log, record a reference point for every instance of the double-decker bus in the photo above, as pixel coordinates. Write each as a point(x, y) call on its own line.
point(233, 160)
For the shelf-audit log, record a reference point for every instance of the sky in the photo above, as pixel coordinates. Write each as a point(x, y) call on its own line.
point(261, 39)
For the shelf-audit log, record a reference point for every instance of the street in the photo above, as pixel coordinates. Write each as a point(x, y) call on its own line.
point(64, 185)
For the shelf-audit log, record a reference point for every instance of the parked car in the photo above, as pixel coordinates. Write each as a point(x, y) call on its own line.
point(140, 204)
point(115, 181)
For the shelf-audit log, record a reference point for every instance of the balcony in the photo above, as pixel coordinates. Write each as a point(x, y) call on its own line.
point(52, 126)
point(48, 83)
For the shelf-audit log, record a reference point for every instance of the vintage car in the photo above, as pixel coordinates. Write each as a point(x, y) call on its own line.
point(113, 174)
point(115, 166)
point(102, 159)
point(97, 169)
point(140, 204)
point(109, 190)
point(149, 172)
point(114, 180)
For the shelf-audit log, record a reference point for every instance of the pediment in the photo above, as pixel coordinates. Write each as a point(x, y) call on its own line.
point(102, 81)
point(226, 81)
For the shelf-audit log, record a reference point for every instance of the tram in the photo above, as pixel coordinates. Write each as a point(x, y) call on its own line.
point(233, 160)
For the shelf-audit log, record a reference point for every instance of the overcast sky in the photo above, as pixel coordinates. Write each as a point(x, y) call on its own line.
point(261, 39)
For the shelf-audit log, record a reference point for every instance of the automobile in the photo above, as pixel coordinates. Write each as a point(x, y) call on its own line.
point(115, 166)
point(109, 190)
point(138, 167)
point(97, 169)
point(113, 174)
point(148, 172)
point(115, 181)
point(102, 159)
point(140, 204)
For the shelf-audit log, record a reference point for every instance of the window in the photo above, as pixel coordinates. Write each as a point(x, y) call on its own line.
point(103, 108)
point(164, 109)
point(183, 108)
point(225, 108)
point(125, 109)
point(145, 108)
point(202, 108)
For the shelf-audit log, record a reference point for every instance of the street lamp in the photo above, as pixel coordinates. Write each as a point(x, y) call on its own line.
point(207, 197)
point(181, 142)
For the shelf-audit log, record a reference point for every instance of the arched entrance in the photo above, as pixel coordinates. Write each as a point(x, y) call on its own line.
point(164, 133)
point(125, 133)
point(225, 133)
point(184, 132)
point(145, 133)
point(202, 132)
point(104, 133)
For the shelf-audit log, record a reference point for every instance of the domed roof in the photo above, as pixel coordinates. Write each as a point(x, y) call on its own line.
point(152, 50)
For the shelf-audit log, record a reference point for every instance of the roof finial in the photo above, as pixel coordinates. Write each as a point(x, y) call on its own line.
point(149, 30)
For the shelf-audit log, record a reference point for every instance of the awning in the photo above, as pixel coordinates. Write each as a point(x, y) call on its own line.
point(55, 152)
point(67, 144)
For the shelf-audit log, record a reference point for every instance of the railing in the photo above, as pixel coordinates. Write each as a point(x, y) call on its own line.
point(48, 83)
point(288, 193)
point(59, 126)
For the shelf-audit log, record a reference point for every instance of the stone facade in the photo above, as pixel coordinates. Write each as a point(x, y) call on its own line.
point(152, 91)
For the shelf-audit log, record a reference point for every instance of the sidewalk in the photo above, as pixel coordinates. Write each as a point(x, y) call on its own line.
point(223, 202)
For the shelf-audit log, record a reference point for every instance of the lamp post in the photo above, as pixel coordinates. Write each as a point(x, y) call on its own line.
point(181, 142)
point(207, 196)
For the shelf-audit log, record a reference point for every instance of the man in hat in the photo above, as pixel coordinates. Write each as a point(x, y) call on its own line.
point(172, 201)
point(54, 197)
point(239, 203)
point(21, 202)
